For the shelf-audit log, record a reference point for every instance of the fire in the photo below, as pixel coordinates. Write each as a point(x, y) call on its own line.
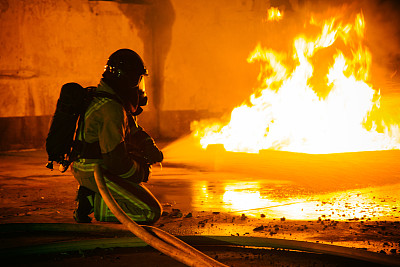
point(274, 14)
point(290, 112)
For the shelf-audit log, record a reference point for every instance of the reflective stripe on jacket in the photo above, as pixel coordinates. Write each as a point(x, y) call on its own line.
point(106, 122)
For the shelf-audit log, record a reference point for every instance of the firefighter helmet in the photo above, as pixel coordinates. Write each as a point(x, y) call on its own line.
point(125, 65)
point(124, 72)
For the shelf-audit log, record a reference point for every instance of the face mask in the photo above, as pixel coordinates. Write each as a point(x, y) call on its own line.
point(142, 93)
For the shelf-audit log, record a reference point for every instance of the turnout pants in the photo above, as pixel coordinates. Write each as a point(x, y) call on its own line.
point(135, 199)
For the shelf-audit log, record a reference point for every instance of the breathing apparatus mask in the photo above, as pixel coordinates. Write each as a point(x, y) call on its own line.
point(142, 96)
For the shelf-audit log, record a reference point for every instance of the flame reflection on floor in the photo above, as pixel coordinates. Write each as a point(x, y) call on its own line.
point(278, 201)
point(344, 186)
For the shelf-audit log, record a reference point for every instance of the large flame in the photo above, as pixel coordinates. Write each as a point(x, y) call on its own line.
point(288, 112)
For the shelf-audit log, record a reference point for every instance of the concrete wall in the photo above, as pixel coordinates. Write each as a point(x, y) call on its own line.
point(195, 50)
point(196, 53)
point(45, 44)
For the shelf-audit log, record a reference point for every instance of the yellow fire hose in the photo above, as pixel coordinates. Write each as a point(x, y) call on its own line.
point(160, 240)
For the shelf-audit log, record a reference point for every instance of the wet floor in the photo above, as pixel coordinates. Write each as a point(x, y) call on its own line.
point(286, 200)
point(348, 186)
point(239, 194)
point(192, 186)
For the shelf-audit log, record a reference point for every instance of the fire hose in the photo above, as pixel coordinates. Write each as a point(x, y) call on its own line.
point(23, 252)
point(157, 238)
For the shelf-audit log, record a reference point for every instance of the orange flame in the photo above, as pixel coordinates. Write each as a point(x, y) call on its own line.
point(287, 113)
point(274, 14)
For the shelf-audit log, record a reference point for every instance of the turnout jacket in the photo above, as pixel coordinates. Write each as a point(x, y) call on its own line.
point(106, 122)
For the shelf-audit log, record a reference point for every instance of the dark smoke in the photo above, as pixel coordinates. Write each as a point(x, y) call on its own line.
point(154, 21)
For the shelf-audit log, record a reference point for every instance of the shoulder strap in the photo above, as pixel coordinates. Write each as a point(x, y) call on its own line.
point(107, 95)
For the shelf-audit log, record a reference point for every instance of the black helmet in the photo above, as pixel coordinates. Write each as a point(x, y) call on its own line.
point(124, 72)
point(125, 64)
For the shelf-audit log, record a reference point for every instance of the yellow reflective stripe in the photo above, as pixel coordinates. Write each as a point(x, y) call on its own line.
point(130, 172)
point(106, 214)
point(102, 209)
point(137, 217)
point(128, 196)
point(85, 167)
point(91, 200)
point(96, 106)
point(87, 161)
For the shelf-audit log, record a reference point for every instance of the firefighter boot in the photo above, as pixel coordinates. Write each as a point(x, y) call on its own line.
point(84, 207)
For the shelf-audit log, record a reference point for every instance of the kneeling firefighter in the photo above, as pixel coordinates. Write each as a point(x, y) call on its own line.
point(110, 136)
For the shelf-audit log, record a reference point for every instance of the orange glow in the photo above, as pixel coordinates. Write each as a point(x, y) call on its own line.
point(290, 111)
point(253, 199)
point(243, 196)
point(274, 14)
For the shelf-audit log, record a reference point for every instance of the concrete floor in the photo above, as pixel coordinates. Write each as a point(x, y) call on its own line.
point(203, 198)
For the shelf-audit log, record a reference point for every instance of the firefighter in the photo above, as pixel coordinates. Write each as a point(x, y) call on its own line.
point(112, 138)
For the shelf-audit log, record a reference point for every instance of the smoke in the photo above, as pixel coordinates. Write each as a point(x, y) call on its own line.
point(382, 18)
point(155, 29)
point(384, 42)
